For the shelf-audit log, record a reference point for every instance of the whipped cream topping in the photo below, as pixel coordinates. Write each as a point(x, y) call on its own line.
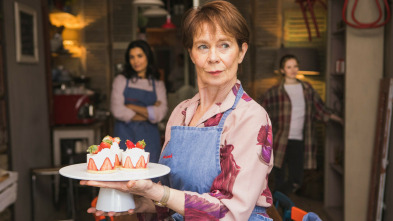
point(116, 149)
point(115, 146)
point(100, 157)
point(135, 154)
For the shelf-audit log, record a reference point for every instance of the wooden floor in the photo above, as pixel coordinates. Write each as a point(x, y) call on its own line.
point(308, 198)
point(305, 203)
point(310, 205)
point(302, 202)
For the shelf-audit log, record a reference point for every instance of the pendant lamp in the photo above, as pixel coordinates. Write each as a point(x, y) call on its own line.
point(148, 2)
point(168, 24)
point(155, 11)
point(61, 18)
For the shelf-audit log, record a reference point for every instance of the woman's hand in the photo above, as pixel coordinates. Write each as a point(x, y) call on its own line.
point(137, 188)
point(138, 109)
point(158, 103)
point(142, 205)
point(102, 213)
point(118, 185)
point(139, 117)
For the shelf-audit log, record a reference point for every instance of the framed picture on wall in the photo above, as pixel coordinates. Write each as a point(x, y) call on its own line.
point(26, 34)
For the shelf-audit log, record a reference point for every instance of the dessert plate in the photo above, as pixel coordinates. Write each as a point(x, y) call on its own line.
point(111, 199)
point(79, 171)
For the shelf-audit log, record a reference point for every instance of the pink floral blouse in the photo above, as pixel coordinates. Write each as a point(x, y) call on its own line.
point(246, 158)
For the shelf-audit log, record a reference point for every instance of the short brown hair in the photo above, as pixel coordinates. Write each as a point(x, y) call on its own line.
point(216, 13)
point(285, 58)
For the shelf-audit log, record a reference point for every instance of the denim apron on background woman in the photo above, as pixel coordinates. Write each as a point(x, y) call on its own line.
point(193, 154)
point(140, 130)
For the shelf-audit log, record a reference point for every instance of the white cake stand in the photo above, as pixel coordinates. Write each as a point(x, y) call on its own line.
point(111, 200)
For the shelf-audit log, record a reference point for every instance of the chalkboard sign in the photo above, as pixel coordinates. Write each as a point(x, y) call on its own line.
point(26, 33)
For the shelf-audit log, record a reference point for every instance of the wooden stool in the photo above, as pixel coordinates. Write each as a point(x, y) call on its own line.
point(51, 172)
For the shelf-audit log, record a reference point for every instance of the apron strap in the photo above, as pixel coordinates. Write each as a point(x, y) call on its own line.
point(154, 85)
point(153, 82)
point(154, 88)
point(238, 96)
point(126, 84)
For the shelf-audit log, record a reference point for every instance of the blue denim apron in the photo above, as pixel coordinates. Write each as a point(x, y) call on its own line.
point(193, 154)
point(139, 130)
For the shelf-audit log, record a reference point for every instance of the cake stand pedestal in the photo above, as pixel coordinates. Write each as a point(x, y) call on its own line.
point(111, 200)
point(114, 200)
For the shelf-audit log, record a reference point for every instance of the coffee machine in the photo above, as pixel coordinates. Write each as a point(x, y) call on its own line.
point(73, 109)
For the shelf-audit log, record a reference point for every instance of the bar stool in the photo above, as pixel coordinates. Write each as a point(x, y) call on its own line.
point(52, 172)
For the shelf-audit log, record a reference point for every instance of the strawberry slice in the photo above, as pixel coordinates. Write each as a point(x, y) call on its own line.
point(130, 144)
point(105, 144)
point(141, 163)
point(117, 162)
point(141, 144)
point(116, 139)
point(106, 165)
point(92, 165)
point(94, 149)
point(128, 164)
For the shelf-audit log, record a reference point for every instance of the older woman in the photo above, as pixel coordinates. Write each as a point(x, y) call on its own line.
point(219, 143)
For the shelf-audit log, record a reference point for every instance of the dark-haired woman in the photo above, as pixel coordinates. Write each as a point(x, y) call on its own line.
point(138, 99)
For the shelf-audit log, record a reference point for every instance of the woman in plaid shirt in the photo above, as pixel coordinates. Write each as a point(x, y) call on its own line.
point(293, 106)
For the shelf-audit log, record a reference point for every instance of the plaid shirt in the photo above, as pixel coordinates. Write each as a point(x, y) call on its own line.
point(278, 104)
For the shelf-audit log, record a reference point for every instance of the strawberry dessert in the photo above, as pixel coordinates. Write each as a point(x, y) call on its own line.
point(135, 156)
point(115, 148)
point(101, 158)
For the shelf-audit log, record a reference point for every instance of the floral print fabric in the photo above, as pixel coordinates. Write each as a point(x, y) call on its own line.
point(246, 158)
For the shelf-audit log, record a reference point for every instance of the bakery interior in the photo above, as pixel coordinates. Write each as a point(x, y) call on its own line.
point(67, 51)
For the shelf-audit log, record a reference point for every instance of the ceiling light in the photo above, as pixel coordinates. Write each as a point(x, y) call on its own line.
point(168, 24)
point(155, 11)
point(148, 2)
point(68, 20)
